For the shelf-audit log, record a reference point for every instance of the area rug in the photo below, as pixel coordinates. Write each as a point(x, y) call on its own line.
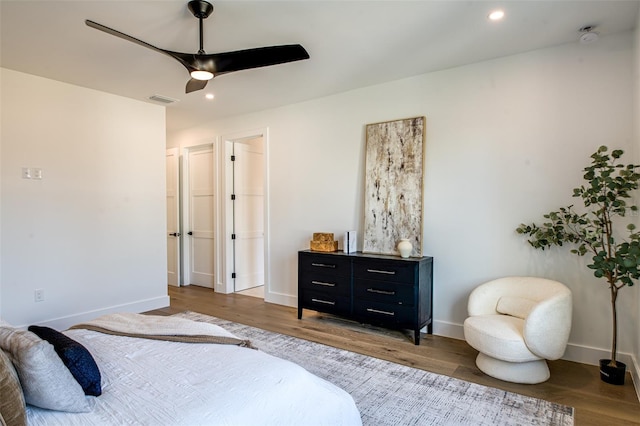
point(392, 394)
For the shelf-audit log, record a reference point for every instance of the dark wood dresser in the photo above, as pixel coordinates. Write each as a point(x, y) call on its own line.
point(375, 289)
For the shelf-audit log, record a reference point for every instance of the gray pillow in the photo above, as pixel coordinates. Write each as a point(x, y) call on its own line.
point(45, 380)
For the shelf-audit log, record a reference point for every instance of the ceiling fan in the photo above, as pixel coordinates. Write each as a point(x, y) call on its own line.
point(204, 66)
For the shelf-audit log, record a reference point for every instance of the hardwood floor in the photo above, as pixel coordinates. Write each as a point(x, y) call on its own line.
point(574, 384)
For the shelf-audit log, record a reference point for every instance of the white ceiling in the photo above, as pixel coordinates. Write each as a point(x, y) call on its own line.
point(352, 44)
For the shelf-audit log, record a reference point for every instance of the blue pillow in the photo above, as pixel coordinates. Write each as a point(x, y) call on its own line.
point(75, 357)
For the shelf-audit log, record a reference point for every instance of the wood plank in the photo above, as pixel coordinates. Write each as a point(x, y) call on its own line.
point(574, 384)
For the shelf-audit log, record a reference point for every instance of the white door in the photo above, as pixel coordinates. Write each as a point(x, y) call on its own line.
point(248, 212)
point(201, 216)
point(173, 218)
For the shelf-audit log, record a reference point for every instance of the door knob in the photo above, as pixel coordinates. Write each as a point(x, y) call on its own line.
point(190, 233)
point(175, 234)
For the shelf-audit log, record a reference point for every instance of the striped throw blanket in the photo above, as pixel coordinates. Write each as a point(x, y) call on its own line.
point(157, 327)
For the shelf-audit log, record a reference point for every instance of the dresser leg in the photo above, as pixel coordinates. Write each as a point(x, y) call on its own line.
point(416, 336)
point(299, 313)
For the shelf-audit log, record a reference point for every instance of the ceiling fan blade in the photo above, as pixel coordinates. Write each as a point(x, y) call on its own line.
point(186, 59)
point(124, 36)
point(193, 85)
point(255, 58)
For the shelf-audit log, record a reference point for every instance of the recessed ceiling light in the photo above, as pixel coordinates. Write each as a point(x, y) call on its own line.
point(209, 96)
point(496, 15)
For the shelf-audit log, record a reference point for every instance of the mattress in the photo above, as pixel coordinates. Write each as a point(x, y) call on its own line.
point(151, 382)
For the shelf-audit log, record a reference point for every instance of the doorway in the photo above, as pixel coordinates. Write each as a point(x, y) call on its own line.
point(222, 238)
point(200, 216)
point(246, 213)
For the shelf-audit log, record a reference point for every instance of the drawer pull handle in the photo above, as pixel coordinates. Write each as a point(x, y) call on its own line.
point(388, 293)
point(323, 265)
point(324, 284)
point(326, 302)
point(380, 312)
point(378, 271)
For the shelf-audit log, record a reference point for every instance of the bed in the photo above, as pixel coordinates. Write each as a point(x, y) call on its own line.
point(146, 380)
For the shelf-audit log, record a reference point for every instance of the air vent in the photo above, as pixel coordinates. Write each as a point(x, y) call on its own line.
point(162, 99)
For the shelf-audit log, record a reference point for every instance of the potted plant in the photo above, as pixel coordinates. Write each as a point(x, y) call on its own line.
point(616, 257)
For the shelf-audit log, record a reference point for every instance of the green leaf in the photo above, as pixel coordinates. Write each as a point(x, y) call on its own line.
point(604, 193)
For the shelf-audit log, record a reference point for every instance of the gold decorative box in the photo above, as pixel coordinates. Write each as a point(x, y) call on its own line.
point(323, 241)
point(323, 236)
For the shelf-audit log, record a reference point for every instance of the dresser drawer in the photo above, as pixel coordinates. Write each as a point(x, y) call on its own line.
point(382, 313)
point(326, 283)
point(384, 292)
point(326, 302)
point(396, 271)
point(317, 263)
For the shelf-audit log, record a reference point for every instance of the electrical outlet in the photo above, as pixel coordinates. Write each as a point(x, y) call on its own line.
point(38, 295)
point(26, 173)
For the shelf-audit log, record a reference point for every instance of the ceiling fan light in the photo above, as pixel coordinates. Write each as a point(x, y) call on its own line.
point(201, 75)
point(496, 15)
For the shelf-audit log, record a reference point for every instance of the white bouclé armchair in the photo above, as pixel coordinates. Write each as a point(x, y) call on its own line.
point(517, 323)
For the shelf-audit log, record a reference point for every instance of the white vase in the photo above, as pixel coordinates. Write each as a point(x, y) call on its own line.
point(405, 248)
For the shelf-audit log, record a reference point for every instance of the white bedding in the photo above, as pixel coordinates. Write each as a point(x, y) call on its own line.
point(151, 382)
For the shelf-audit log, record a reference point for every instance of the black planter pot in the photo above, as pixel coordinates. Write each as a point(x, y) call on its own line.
point(612, 375)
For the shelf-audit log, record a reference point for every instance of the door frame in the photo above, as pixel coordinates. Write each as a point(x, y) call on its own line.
point(226, 249)
point(177, 211)
point(186, 210)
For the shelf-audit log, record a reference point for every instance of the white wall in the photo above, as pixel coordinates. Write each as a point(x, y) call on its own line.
point(91, 233)
point(506, 142)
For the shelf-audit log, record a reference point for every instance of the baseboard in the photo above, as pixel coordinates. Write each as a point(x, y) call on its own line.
point(448, 329)
point(63, 323)
point(576, 353)
point(590, 355)
point(280, 299)
point(635, 375)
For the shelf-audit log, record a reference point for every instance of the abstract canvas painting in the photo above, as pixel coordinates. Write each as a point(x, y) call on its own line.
point(393, 185)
